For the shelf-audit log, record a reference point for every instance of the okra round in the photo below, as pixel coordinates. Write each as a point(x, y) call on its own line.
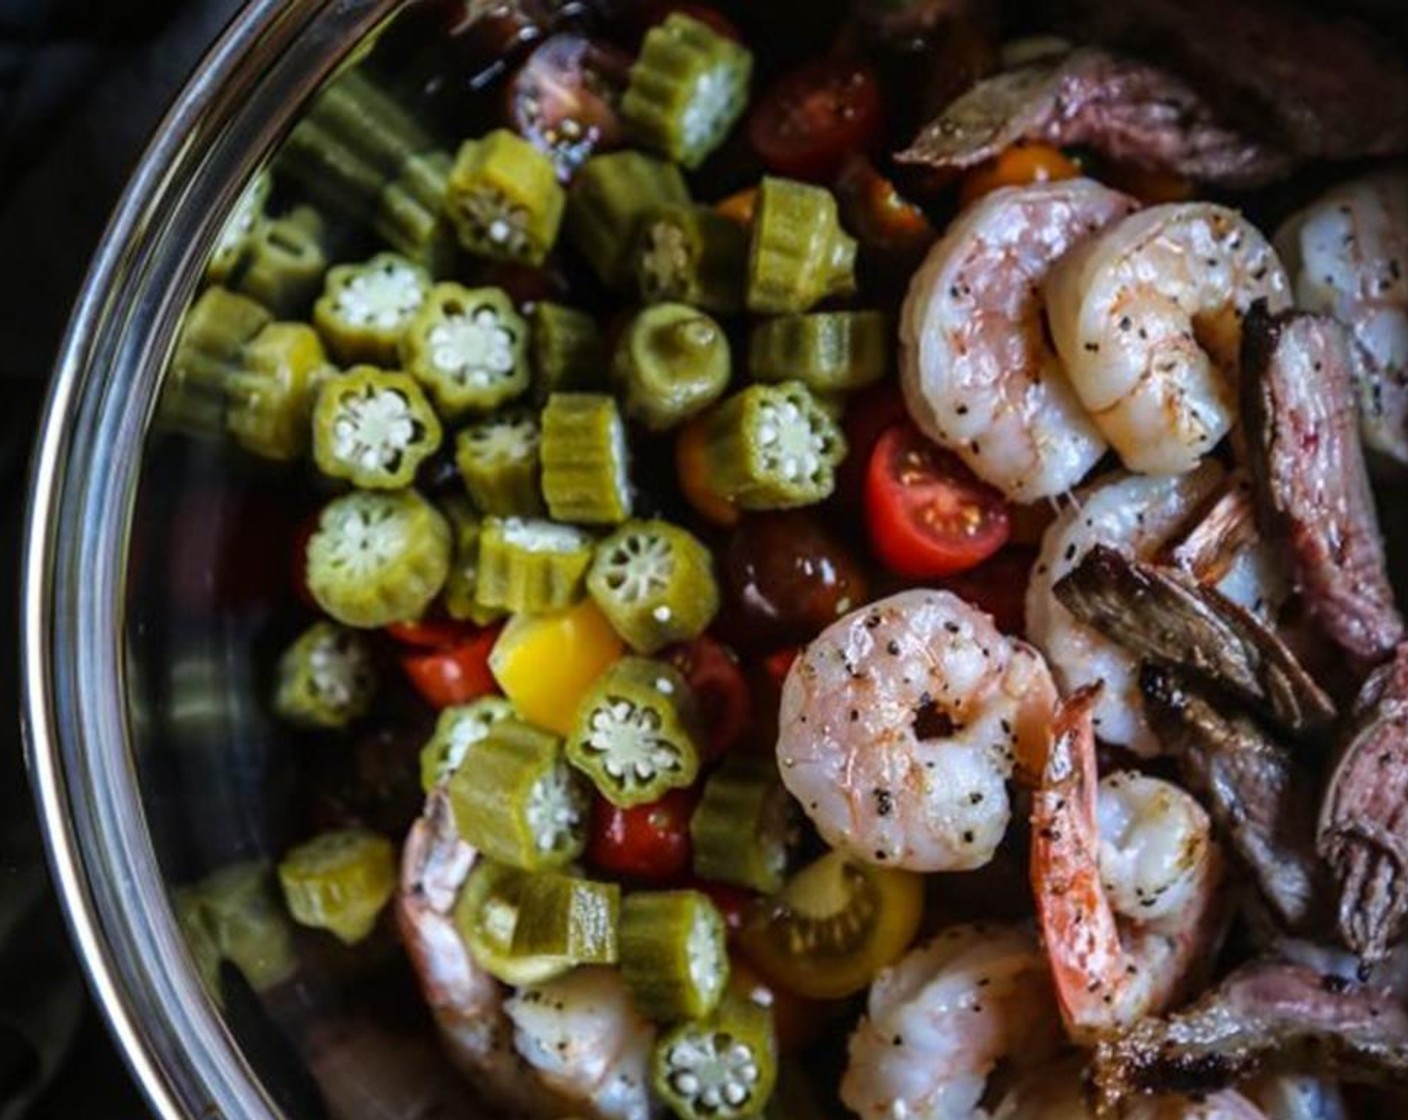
point(530, 566)
point(694, 255)
point(378, 558)
point(457, 729)
point(498, 461)
point(486, 916)
point(210, 346)
point(741, 827)
point(463, 581)
point(326, 678)
point(190, 916)
point(674, 956)
point(339, 882)
point(799, 254)
point(634, 734)
point(284, 263)
point(672, 363)
point(830, 352)
point(517, 801)
point(586, 474)
point(354, 107)
point(504, 199)
point(373, 428)
point(270, 399)
point(568, 352)
point(366, 308)
point(239, 228)
point(566, 918)
point(688, 87)
point(468, 347)
point(655, 583)
point(246, 924)
point(610, 196)
point(721, 1067)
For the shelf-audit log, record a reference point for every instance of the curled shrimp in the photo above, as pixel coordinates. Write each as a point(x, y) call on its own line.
point(900, 724)
point(938, 1022)
point(1347, 253)
point(978, 373)
point(1057, 1092)
point(1125, 876)
point(1147, 316)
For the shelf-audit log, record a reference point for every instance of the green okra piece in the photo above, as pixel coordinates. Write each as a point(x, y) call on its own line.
point(634, 732)
point(671, 363)
point(326, 678)
point(366, 309)
point(586, 472)
point(719, 1067)
point(740, 829)
point(378, 557)
point(568, 352)
point(339, 881)
point(235, 236)
point(610, 196)
point(498, 461)
point(772, 447)
point(458, 728)
point(504, 199)
point(674, 956)
point(382, 130)
point(693, 255)
point(486, 917)
point(331, 171)
point(269, 399)
point(517, 801)
point(244, 921)
point(373, 428)
point(565, 917)
point(531, 566)
point(463, 580)
point(285, 263)
point(468, 347)
point(210, 346)
point(799, 254)
point(655, 584)
point(830, 352)
point(200, 941)
point(687, 88)
point(410, 212)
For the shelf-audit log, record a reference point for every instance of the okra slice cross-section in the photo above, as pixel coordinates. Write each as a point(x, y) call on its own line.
point(672, 363)
point(586, 474)
point(498, 461)
point(721, 1067)
point(339, 881)
point(365, 308)
point(694, 255)
point(270, 397)
point(673, 953)
point(486, 917)
point(799, 254)
point(531, 566)
point(567, 350)
point(609, 198)
point(468, 347)
point(373, 428)
point(504, 199)
point(458, 728)
point(827, 351)
point(568, 918)
point(742, 826)
point(655, 583)
point(239, 227)
point(461, 585)
point(326, 678)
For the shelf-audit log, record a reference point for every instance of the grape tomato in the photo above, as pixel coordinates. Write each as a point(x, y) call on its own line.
point(564, 99)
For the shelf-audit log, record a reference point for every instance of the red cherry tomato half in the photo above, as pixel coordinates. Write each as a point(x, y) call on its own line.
point(813, 118)
point(733, 903)
point(720, 690)
point(927, 515)
point(563, 99)
point(999, 586)
point(649, 843)
point(659, 10)
point(453, 674)
point(431, 633)
point(779, 663)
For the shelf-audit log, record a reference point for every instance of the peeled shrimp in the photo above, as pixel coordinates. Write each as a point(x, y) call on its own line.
point(940, 1020)
point(978, 373)
point(900, 724)
point(1058, 1093)
point(1147, 316)
point(1125, 875)
point(1348, 256)
point(498, 1046)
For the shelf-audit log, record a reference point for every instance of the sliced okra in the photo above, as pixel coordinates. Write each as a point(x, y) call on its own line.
point(383, 130)
point(655, 583)
point(586, 473)
point(830, 352)
point(373, 428)
point(410, 212)
point(504, 199)
point(326, 678)
point(610, 196)
point(468, 347)
point(799, 254)
point(564, 917)
point(331, 170)
point(270, 399)
point(366, 308)
point(531, 566)
point(687, 88)
point(463, 580)
point(694, 255)
point(498, 461)
point(378, 557)
point(339, 881)
point(634, 735)
point(239, 228)
point(249, 929)
point(190, 916)
point(210, 348)
point(517, 801)
point(458, 728)
point(674, 957)
point(486, 916)
point(568, 352)
point(720, 1067)
point(672, 363)
point(742, 826)
point(284, 263)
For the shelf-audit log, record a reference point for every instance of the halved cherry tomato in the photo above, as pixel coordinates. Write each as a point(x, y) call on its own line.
point(739, 206)
point(999, 586)
point(431, 633)
point(719, 688)
point(693, 473)
point(879, 216)
point(813, 118)
point(564, 99)
point(657, 11)
point(1016, 167)
point(734, 904)
point(649, 843)
point(452, 674)
point(928, 516)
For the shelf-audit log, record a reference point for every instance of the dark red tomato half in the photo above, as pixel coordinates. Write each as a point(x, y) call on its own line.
point(720, 690)
point(999, 586)
point(564, 98)
point(812, 119)
point(648, 843)
point(452, 674)
point(927, 515)
point(431, 633)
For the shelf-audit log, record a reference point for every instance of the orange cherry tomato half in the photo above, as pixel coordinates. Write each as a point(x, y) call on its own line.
point(691, 468)
point(1016, 167)
point(927, 515)
point(1149, 187)
point(649, 843)
point(739, 206)
point(881, 218)
point(720, 690)
point(815, 117)
point(452, 674)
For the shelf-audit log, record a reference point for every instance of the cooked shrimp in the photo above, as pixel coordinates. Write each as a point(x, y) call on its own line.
point(1125, 875)
point(1289, 1097)
point(900, 724)
point(978, 372)
point(610, 1042)
point(1147, 316)
point(940, 1020)
point(1057, 1092)
point(1348, 256)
